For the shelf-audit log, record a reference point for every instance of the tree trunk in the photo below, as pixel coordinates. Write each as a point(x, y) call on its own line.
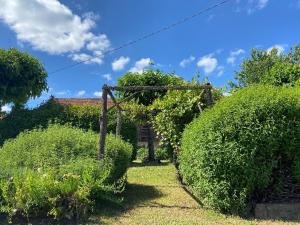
point(151, 156)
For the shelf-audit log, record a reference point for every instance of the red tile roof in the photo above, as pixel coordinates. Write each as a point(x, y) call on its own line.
point(80, 101)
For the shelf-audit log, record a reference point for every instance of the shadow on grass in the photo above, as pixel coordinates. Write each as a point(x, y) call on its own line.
point(135, 194)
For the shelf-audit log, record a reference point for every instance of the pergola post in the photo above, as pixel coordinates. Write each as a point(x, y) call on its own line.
point(103, 122)
point(208, 95)
point(118, 127)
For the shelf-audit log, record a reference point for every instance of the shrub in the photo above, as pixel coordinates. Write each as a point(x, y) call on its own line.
point(142, 154)
point(84, 116)
point(55, 172)
point(234, 151)
point(162, 154)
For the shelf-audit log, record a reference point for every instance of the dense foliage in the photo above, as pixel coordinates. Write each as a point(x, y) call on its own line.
point(270, 67)
point(234, 151)
point(160, 154)
point(54, 172)
point(146, 98)
point(147, 78)
point(82, 116)
point(142, 154)
point(177, 109)
point(22, 77)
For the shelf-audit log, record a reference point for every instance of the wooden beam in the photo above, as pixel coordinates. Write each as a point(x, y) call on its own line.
point(124, 100)
point(116, 104)
point(158, 88)
point(103, 123)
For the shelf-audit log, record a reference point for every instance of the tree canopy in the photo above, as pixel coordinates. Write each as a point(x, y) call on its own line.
point(270, 67)
point(147, 78)
point(22, 77)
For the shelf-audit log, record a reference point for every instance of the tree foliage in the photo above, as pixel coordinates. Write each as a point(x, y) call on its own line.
point(22, 77)
point(270, 67)
point(147, 78)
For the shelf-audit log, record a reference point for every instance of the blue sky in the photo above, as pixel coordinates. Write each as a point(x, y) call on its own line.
point(61, 32)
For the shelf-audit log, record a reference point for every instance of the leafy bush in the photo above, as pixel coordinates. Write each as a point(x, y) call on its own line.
point(162, 154)
point(142, 154)
point(174, 111)
point(55, 172)
point(82, 116)
point(236, 150)
point(282, 74)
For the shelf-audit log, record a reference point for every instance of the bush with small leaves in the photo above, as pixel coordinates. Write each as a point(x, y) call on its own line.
point(84, 116)
point(162, 154)
point(234, 151)
point(142, 154)
point(55, 172)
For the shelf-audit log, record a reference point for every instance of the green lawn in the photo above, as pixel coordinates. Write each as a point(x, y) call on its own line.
point(155, 197)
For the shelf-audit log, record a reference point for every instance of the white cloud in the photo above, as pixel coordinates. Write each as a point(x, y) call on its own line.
point(208, 63)
point(62, 92)
point(107, 76)
point(120, 63)
point(220, 71)
point(98, 94)
point(250, 6)
point(6, 108)
point(280, 48)
point(81, 93)
point(50, 26)
point(86, 59)
point(262, 3)
point(234, 55)
point(141, 65)
point(187, 61)
point(98, 43)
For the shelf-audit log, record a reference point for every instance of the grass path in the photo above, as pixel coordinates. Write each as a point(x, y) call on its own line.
point(154, 197)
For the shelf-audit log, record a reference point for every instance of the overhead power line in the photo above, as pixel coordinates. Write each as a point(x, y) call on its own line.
point(148, 35)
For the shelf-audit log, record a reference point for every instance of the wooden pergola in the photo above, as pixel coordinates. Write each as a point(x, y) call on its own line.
point(108, 91)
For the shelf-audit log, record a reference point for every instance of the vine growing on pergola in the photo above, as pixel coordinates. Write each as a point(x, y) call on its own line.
point(108, 91)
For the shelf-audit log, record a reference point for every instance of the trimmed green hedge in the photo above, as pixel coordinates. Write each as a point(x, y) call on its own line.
point(233, 152)
point(55, 172)
point(82, 116)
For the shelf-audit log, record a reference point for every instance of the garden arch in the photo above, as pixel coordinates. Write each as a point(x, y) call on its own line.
point(108, 91)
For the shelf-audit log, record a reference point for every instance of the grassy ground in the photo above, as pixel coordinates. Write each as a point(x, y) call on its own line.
point(154, 197)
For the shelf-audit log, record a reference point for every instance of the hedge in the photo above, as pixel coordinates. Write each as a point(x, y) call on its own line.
point(54, 172)
point(82, 116)
point(234, 152)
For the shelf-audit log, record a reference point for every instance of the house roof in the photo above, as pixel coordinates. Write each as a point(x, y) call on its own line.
point(81, 101)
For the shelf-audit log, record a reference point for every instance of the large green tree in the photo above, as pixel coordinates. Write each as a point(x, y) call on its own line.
point(22, 76)
point(146, 98)
point(270, 67)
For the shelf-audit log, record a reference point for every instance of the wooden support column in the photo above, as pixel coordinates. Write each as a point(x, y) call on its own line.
point(103, 122)
point(208, 95)
point(118, 128)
